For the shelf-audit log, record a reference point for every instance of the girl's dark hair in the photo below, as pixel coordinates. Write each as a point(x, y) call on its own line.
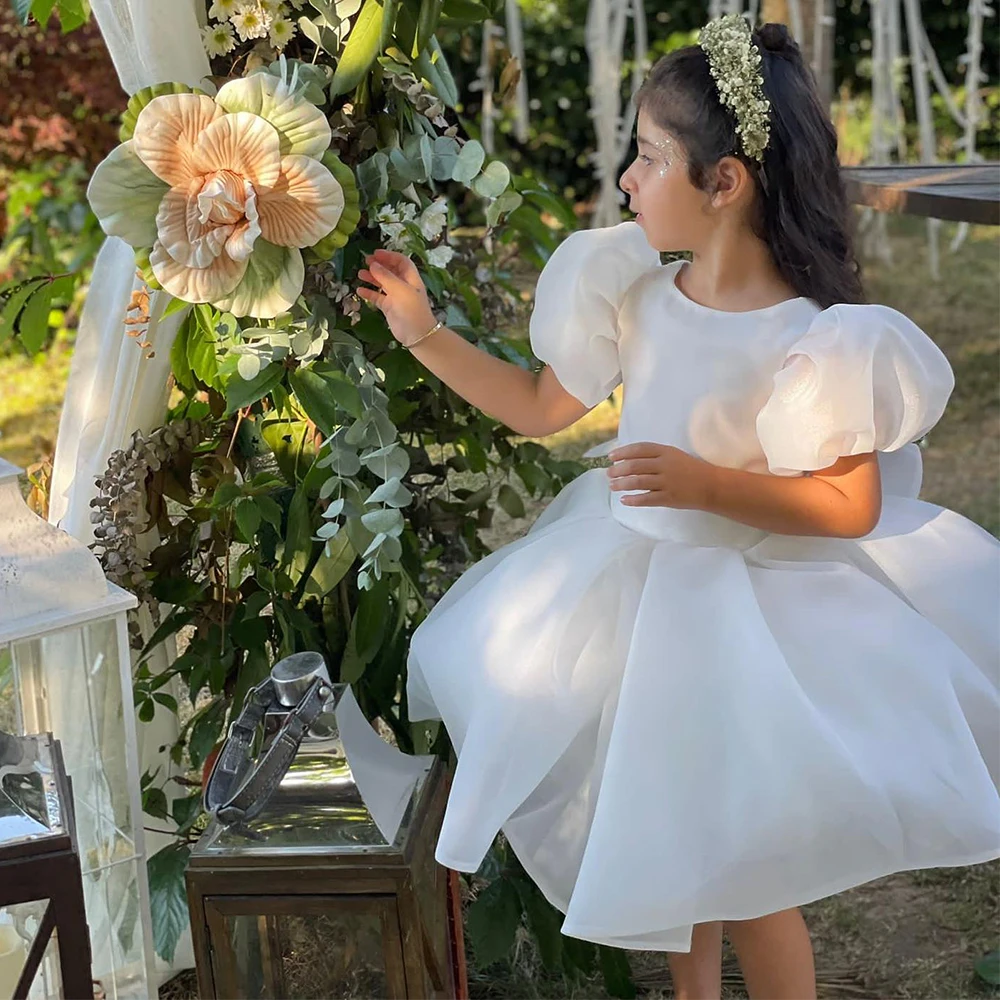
point(801, 207)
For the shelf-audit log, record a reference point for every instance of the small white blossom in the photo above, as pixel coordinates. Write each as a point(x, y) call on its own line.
point(387, 213)
point(433, 219)
point(251, 22)
point(407, 212)
point(218, 39)
point(733, 60)
point(222, 10)
point(440, 256)
point(281, 32)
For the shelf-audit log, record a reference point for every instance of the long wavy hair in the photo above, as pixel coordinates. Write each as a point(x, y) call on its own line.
point(801, 209)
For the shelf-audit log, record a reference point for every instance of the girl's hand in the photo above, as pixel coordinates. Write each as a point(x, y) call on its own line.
point(673, 477)
point(399, 292)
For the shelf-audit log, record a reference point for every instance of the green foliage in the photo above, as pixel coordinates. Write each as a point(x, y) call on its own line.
point(72, 13)
point(51, 238)
point(508, 899)
point(988, 967)
point(320, 508)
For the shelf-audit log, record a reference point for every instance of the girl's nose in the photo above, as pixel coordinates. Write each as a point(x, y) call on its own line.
point(625, 183)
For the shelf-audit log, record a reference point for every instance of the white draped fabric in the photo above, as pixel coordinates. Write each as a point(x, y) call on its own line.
point(115, 387)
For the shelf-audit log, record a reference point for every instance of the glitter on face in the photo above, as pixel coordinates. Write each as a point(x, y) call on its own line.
point(668, 154)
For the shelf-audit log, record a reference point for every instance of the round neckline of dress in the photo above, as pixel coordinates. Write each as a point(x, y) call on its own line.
point(675, 290)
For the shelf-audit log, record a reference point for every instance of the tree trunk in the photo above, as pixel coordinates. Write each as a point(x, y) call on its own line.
point(811, 22)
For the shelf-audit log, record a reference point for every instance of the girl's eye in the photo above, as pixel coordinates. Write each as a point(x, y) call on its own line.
point(646, 159)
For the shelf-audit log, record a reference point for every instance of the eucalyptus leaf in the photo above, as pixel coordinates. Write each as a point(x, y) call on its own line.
point(390, 462)
point(493, 181)
point(470, 161)
point(445, 154)
point(384, 520)
point(392, 493)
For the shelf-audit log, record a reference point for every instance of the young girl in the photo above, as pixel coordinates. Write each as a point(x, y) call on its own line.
point(743, 668)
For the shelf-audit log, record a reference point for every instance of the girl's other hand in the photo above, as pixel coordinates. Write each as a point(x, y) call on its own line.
point(671, 477)
point(399, 293)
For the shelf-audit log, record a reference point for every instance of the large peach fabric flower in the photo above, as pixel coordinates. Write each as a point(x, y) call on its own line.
point(224, 191)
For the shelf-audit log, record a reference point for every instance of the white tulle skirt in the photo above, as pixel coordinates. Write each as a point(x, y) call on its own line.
point(676, 719)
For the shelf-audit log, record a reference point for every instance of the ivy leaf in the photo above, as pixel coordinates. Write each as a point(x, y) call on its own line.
point(545, 922)
point(205, 732)
point(617, 972)
point(493, 920)
point(988, 967)
point(510, 501)
point(168, 897)
point(240, 393)
point(248, 518)
point(322, 391)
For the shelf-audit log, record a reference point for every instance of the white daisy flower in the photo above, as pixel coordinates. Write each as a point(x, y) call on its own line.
point(433, 219)
point(281, 32)
point(218, 39)
point(251, 22)
point(222, 10)
point(273, 7)
point(440, 256)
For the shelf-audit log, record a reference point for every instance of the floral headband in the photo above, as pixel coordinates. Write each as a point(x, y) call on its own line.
point(734, 61)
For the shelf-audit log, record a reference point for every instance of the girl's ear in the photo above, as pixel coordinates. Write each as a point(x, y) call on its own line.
point(732, 182)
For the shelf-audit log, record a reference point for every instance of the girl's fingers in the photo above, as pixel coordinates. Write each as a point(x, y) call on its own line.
point(635, 483)
point(372, 296)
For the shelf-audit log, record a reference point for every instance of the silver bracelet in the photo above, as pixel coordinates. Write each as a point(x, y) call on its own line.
point(434, 329)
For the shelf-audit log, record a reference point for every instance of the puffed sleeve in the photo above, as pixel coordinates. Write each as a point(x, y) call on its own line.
point(862, 378)
point(574, 322)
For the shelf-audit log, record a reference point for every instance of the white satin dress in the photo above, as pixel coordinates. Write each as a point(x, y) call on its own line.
point(677, 718)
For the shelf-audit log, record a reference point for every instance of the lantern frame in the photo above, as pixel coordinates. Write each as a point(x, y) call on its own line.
point(46, 868)
point(52, 586)
point(377, 882)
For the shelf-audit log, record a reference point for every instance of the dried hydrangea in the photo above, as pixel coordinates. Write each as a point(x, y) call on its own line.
point(734, 62)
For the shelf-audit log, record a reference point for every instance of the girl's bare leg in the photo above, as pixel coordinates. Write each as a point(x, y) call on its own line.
point(697, 974)
point(775, 955)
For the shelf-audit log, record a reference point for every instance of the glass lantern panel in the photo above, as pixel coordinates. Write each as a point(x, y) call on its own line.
point(334, 948)
point(19, 925)
point(70, 683)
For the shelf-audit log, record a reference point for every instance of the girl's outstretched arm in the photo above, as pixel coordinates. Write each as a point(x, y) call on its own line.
point(532, 405)
point(842, 501)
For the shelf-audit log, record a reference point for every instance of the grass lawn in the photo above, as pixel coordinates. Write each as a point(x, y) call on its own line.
point(909, 935)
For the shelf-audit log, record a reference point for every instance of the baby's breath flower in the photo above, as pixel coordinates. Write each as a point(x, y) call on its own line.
point(281, 32)
point(734, 62)
point(222, 10)
point(218, 39)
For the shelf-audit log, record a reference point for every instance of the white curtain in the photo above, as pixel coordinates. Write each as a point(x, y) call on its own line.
point(115, 387)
